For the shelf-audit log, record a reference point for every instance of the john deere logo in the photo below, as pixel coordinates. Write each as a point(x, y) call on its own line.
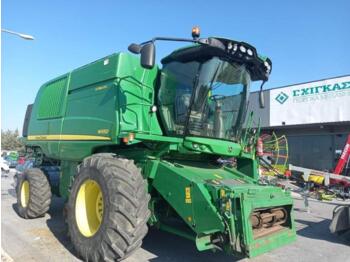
point(281, 98)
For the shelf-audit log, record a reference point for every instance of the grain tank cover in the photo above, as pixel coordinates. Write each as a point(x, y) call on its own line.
point(98, 71)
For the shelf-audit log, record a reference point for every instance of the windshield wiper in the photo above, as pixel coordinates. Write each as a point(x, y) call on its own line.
point(194, 92)
point(213, 78)
point(189, 110)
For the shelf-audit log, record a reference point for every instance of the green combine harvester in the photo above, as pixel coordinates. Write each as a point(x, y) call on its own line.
point(130, 145)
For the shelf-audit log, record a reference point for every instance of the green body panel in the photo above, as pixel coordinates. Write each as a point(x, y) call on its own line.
point(67, 173)
point(267, 197)
point(211, 146)
point(248, 166)
point(106, 106)
point(204, 214)
point(102, 99)
point(172, 182)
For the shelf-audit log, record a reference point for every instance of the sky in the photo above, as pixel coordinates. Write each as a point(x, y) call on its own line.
point(306, 40)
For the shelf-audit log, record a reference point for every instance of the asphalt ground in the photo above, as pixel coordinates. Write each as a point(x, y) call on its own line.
point(45, 239)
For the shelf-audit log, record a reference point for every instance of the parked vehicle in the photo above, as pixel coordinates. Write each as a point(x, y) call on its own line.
point(4, 166)
point(127, 144)
point(12, 158)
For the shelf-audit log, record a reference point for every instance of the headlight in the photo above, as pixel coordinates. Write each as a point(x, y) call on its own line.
point(243, 49)
point(267, 65)
point(235, 47)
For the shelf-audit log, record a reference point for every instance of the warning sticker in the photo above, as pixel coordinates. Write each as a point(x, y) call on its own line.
point(188, 199)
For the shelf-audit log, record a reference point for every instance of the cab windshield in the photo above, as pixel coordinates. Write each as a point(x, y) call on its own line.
point(205, 98)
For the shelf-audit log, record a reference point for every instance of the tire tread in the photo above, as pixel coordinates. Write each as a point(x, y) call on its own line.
point(127, 223)
point(39, 194)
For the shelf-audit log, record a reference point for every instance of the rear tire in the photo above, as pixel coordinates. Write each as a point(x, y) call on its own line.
point(33, 193)
point(107, 208)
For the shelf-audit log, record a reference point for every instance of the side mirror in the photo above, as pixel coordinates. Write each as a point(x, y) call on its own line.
point(148, 55)
point(261, 96)
point(134, 48)
point(261, 99)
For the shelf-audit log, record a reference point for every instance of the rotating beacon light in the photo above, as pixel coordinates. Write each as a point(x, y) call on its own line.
point(196, 32)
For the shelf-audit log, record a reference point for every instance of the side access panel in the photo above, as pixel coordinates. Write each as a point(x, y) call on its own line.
point(47, 115)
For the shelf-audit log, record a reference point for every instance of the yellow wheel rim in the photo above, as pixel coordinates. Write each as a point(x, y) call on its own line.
point(25, 193)
point(89, 207)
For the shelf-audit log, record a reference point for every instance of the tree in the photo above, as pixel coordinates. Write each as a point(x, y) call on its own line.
point(10, 140)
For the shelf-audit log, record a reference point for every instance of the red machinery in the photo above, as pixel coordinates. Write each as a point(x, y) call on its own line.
point(340, 223)
point(344, 158)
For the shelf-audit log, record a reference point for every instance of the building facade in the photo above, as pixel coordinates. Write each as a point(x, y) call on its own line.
point(315, 117)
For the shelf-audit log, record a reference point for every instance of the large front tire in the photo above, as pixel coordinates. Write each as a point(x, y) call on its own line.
point(107, 208)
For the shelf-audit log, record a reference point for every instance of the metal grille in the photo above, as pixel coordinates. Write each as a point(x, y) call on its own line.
point(52, 99)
